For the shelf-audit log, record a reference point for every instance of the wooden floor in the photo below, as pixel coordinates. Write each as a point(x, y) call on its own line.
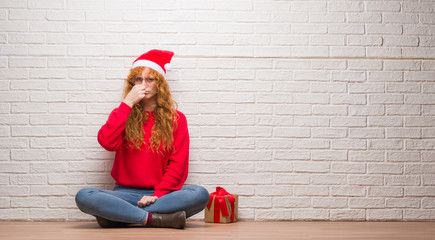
point(239, 230)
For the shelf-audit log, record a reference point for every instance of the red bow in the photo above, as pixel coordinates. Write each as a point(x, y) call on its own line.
point(220, 204)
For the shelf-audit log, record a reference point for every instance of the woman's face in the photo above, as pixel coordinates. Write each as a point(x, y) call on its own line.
point(148, 80)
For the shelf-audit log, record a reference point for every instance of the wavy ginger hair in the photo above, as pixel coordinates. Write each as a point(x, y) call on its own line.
point(165, 115)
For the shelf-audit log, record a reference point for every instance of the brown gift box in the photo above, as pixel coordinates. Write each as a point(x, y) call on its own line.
point(209, 212)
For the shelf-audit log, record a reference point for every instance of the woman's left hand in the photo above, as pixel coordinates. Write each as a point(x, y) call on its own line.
point(146, 200)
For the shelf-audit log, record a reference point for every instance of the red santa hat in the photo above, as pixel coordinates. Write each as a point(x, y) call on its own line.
point(158, 60)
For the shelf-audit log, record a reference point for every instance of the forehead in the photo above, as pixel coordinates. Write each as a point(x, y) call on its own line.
point(146, 73)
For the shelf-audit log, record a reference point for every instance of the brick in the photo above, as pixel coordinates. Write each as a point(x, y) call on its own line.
point(310, 214)
point(365, 180)
point(311, 190)
point(347, 214)
point(385, 191)
point(310, 167)
point(403, 180)
point(301, 6)
point(419, 214)
point(403, 203)
point(372, 156)
point(329, 155)
point(328, 180)
point(29, 179)
point(292, 179)
point(330, 203)
point(348, 168)
point(428, 203)
point(62, 202)
point(274, 167)
point(384, 214)
point(293, 202)
point(349, 144)
point(374, 168)
point(386, 144)
point(14, 214)
point(292, 155)
point(381, 7)
point(274, 214)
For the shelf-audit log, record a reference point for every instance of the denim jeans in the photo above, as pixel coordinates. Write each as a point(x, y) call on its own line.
point(120, 204)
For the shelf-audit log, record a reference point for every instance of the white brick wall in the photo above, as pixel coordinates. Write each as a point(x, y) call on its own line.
point(309, 110)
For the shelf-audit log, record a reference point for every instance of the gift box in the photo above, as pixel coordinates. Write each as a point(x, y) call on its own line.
point(222, 207)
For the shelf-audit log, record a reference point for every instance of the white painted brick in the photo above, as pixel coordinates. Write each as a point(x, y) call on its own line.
point(329, 132)
point(364, 17)
point(330, 203)
point(386, 144)
point(348, 122)
point(29, 179)
point(366, 110)
point(268, 214)
point(403, 180)
point(280, 28)
point(384, 214)
point(419, 214)
point(279, 166)
point(347, 215)
point(354, 191)
point(365, 180)
point(328, 179)
point(302, 6)
point(292, 132)
point(14, 214)
point(348, 168)
point(418, 7)
point(291, 179)
point(349, 144)
point(402, 65)
point(62, 202)
point(311, 167)
point(311, 190)
point(383, 6)
point(371, 156)
point(274, 121)
point(428, 203)
point(403, 156)
point(400, 41)
point(353, 28)
point(402, 110)
point(329, 110)
point(310, 214)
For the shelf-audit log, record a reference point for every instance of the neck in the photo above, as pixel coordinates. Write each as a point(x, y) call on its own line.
point(148, 104)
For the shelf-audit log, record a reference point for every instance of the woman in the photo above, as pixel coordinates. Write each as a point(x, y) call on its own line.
point(151, 141)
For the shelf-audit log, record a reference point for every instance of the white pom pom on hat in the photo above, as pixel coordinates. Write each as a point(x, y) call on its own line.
point(158, 60)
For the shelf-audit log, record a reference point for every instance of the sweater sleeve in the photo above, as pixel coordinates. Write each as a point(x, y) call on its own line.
point(110, 134)
point(177, 168)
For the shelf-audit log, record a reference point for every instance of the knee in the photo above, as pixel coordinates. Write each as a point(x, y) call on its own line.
point(201, 194)
point(84, 195)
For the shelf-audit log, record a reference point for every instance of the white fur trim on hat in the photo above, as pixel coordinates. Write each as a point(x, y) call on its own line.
point(150, 64)
point(168, 66)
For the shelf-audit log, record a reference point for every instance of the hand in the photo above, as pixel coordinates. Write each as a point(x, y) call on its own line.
point(146, 200)
point(136, 94)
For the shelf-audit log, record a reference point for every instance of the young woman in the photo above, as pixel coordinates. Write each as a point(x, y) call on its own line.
point(151, 141)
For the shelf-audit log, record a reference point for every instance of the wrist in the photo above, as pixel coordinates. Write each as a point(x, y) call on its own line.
point(130, 104)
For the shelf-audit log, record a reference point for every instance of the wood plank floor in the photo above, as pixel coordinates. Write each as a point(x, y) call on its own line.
point(239, 230)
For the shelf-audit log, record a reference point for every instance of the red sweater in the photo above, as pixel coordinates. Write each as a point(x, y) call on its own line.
point(142, 168)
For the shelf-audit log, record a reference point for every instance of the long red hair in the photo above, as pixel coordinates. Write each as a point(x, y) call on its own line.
point(165, 115)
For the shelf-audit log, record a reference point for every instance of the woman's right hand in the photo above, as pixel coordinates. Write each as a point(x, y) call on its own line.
point(136, 94)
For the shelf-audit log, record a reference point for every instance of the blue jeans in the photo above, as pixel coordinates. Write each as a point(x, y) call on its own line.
point(120, 204)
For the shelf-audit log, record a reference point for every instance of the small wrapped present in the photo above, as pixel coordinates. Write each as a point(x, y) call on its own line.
point(222, 207)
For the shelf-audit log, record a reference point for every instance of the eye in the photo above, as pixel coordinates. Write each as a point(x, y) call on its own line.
point(138, 80)
point(150, 79)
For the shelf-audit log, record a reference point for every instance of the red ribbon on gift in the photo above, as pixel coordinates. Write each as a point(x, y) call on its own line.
point(220, 204)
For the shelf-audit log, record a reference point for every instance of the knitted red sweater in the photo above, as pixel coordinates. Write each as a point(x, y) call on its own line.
point(142, 168)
